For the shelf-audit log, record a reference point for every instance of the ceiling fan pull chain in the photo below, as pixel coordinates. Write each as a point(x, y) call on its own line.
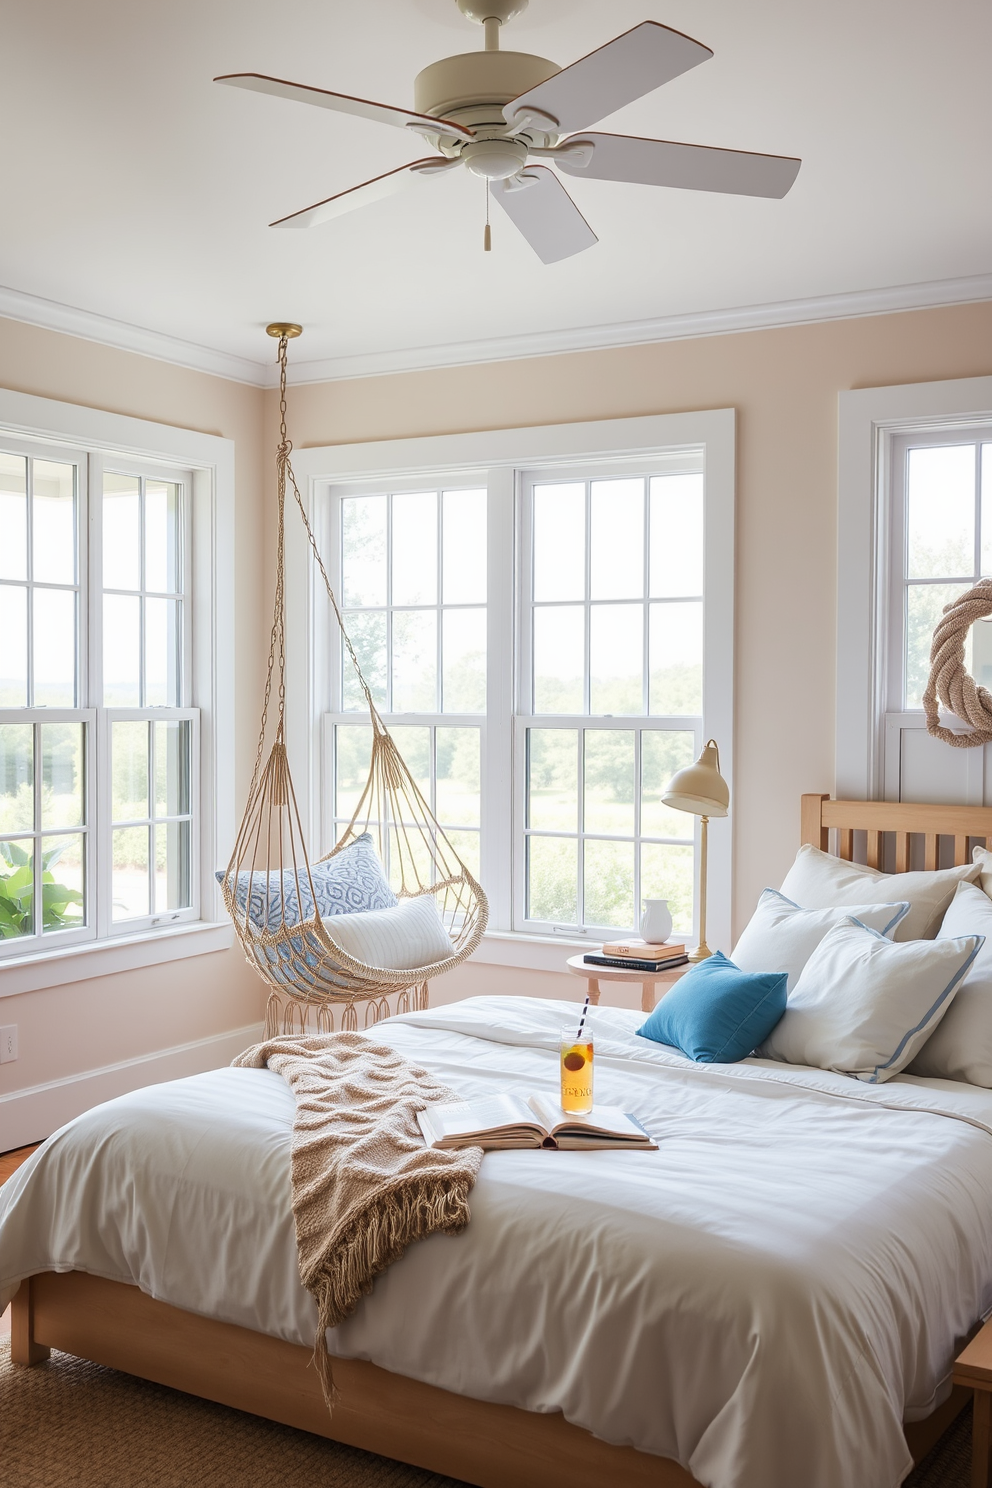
point(487, 236)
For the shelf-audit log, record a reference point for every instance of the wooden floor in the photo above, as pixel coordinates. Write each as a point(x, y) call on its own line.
point(9, 1163)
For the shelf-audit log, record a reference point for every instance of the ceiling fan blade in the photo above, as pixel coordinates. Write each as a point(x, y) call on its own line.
point(366, 193)
point(343, 103)
point(624, 69)
point(542, 210)
point(649, 162)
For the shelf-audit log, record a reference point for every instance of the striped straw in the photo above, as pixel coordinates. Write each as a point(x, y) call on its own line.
point(585, 1009)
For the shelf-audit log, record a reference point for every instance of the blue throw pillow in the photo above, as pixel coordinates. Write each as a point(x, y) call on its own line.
point(716, 1013)
point(349, 883)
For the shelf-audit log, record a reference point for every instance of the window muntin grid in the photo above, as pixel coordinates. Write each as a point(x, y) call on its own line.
point(946, 547)
point(613, 697)
point(445, 760)
point(597, 840)
point(143, 591)
point(616, 595)
point(669, 581)
point(151, 815)
point(39, 581)
point(413, 569)
point(44, 831)
point(60, 862)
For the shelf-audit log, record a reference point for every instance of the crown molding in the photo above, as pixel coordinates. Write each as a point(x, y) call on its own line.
point(33, 310)
point(856, 304)
point(53, 316)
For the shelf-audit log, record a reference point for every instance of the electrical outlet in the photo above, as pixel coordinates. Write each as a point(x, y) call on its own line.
point(8, 1043)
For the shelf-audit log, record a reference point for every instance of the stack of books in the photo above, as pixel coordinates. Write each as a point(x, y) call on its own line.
point(639, 955)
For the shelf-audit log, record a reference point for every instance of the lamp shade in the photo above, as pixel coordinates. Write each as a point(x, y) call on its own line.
point(700, 788)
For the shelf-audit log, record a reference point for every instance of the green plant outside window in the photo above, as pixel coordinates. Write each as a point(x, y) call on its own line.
point(59, 911)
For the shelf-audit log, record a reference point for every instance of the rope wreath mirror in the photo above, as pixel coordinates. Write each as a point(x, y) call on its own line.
point(351, 927)
point(950, 684)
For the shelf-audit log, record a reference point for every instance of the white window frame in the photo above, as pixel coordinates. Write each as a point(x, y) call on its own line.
point(328, 524)
point(893, 648)
point(58, 939)
point(873, 425)
point(32, 450)
point(106, 928)
point(145, 471)
point(92, 436)
point(495, 459)
point(671, 462)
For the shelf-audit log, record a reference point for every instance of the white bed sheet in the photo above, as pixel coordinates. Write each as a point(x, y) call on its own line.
point(764, 1299)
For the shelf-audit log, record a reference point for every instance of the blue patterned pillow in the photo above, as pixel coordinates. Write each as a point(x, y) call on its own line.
point(349, 883)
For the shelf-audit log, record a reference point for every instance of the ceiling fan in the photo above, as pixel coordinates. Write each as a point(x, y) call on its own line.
point(504, 114)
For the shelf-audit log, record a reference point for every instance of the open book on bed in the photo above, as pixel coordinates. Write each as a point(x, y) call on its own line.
point(503, 1121)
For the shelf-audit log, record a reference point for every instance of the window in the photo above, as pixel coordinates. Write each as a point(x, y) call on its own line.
point(941, 546)
point(613, 569)
point(413, 585)
point(528, 608)
point(103, 834)
point(915, 532)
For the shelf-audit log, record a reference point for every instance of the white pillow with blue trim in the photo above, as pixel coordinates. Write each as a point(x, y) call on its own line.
point(781, 936)
point(351, 882)
point(865, 1005)
point(961, 1048)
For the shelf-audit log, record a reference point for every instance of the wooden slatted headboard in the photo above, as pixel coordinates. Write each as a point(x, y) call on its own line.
point(903, 819)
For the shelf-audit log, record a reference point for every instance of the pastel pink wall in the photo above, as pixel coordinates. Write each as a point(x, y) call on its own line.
point(66, 1030)
point(784, 384)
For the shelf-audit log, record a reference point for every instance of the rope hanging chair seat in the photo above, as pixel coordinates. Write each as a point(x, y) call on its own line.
point(316, 932)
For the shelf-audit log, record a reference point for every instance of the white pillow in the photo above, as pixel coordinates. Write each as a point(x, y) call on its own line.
point(864, 1005)
point(983, 858)
point(818, 880)
point(961, 1048)
point(781, 937)
point(401, 939)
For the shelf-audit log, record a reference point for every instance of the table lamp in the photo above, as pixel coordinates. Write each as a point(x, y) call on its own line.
point(701, 790)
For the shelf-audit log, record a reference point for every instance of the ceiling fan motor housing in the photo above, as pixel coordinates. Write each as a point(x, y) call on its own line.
point(472, 88)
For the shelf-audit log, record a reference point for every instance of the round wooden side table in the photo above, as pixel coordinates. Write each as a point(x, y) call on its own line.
point(649, 980)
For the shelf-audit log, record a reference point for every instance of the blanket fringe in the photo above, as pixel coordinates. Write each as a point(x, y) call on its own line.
point(377, 1237)
point(365, 1185)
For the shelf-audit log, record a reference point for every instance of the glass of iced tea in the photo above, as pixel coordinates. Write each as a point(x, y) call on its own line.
point(576, 1073)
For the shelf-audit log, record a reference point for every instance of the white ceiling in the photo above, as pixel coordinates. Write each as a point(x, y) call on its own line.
point(135, 189)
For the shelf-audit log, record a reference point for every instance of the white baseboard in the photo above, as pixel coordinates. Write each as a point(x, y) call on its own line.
point(32, 1114)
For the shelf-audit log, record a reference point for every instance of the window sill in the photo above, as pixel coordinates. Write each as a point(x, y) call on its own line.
point(78, 963)
point(531, 952)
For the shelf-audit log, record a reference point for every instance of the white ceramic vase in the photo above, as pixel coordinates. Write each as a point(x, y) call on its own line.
point(656, 921)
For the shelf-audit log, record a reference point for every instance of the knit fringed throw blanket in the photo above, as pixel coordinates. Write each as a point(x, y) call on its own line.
point(364, 1184)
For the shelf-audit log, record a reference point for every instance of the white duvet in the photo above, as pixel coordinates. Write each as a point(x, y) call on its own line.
point(765, 1298)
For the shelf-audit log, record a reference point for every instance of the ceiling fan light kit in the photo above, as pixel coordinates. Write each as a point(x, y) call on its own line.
point(498, 112)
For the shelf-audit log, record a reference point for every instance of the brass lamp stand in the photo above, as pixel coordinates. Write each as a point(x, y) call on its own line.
point(701, 790)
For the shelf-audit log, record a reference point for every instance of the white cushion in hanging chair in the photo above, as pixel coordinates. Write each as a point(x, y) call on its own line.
point(404, 939)
point(351, 882)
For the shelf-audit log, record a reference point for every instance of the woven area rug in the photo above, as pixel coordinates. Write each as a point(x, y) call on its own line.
point(70, 1424)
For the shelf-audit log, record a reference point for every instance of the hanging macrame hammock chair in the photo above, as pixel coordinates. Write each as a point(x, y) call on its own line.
point(268, 885)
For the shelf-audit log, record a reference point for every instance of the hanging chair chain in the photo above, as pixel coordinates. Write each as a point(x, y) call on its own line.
point(277, 640)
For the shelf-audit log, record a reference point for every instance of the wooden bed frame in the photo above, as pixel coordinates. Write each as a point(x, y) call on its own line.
point(492, 1446)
